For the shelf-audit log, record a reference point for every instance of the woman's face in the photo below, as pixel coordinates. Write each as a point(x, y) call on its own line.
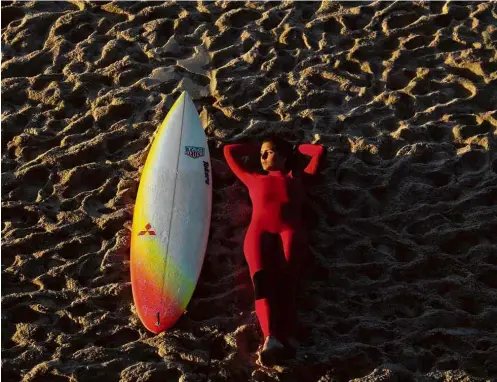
point(270, 159)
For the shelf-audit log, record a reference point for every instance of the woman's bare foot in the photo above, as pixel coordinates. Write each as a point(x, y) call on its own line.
point(272, 351)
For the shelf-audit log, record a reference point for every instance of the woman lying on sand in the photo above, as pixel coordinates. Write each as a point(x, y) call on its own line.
point(277, 196)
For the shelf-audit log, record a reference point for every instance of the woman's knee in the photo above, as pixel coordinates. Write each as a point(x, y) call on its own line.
point(261, 284)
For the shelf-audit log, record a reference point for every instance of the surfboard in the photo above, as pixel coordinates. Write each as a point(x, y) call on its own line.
point(171, 218)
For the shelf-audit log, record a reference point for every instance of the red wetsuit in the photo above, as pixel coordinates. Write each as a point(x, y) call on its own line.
point(277, 201)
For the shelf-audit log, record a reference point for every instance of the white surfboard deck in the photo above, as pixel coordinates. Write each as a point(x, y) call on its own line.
point(171, 219)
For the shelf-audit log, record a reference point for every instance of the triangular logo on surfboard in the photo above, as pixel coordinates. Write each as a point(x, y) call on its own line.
point(147, 231)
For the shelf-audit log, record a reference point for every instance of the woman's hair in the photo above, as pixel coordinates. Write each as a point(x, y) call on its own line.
point(281, 146)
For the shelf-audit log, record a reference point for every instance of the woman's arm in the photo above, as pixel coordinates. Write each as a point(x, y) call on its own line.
point(314, 151)
point(240, 149)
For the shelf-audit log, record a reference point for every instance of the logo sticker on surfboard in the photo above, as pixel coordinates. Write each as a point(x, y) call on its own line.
point(147, 231)
point(206, 172)
point(194, 152)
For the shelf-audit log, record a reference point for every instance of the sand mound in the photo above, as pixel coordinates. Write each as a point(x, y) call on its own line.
point(403, 95)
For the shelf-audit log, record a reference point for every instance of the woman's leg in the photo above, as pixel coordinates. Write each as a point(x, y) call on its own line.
point(295, 247)
point(258, 249)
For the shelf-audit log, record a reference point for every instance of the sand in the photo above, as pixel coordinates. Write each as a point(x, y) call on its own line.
point(402, 219)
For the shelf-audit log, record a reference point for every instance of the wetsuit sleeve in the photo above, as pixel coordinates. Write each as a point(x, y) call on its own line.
point(316, 152)
point(240, 149)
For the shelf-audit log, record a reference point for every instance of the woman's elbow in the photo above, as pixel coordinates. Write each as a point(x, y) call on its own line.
point(321, 151)
point(227, 151)
point(321, 156)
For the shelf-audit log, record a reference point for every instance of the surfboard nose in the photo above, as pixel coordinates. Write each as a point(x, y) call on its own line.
point(181, 101)
point(189, 105)
point(184, 94)
point(184, 99)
